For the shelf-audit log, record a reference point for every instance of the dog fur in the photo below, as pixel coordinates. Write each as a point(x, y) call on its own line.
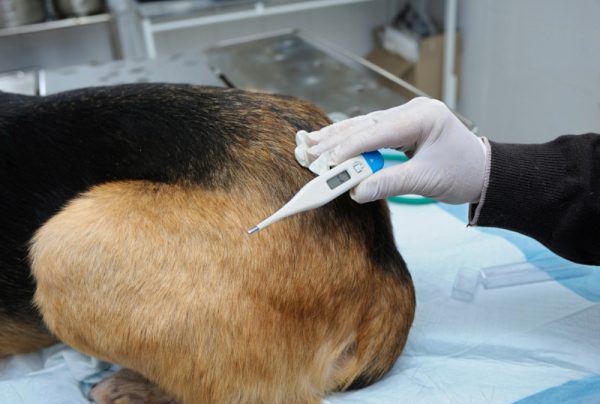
point(129, 206)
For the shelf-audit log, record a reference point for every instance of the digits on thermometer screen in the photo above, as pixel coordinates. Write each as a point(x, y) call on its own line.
point(338, 180)
point(327, 186)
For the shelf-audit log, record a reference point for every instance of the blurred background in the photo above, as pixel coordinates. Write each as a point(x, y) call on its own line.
point(516, 70)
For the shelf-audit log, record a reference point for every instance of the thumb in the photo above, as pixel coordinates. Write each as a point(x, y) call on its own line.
point(401, 179)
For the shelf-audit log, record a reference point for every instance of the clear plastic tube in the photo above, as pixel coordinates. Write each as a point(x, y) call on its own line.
point(468, 279)
point(530, 272)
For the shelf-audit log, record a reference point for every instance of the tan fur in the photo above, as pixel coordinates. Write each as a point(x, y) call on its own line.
point(148, 276)
point(163, 279)
point(21, 337)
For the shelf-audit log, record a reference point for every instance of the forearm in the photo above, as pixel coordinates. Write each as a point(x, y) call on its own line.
point(550, 192)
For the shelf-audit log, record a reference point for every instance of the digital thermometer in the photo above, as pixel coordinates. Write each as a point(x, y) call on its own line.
point(327, 187)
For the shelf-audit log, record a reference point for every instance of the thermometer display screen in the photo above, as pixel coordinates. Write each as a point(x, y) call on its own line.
point(338, 180)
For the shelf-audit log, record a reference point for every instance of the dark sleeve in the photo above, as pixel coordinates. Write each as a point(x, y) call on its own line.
point(550, 192)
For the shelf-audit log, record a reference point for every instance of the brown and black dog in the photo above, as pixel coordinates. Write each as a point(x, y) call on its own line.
point(129, 206)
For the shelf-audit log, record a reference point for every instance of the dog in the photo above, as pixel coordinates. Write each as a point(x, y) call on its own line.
point(123, 235)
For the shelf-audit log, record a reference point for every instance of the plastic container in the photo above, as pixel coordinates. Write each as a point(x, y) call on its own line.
point(20, 12)
point(78, 8)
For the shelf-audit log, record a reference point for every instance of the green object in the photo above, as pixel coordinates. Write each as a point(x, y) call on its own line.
point(394, 156)
point(407, 200)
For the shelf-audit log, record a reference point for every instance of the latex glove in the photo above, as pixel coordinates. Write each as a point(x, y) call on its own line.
point(448, 162)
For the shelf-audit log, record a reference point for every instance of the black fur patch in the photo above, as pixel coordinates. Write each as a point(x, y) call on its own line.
point(53, 148)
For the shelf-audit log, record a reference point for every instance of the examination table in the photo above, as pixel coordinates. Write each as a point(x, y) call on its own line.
point(536, 342)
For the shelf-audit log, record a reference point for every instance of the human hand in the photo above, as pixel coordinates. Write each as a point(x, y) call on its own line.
point(447, 161)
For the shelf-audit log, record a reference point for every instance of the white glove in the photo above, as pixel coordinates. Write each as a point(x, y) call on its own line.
point(448, 162)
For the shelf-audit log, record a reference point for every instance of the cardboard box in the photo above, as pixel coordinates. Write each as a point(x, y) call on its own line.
point(426, 74)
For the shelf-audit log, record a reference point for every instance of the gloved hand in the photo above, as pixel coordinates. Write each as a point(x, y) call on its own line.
point(448, 162)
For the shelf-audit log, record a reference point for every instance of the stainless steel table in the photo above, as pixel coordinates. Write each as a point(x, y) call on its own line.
point(188, 68)
point(290, 63)
point(294, 64)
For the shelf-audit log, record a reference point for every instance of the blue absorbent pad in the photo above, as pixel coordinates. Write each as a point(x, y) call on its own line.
point(536, 343)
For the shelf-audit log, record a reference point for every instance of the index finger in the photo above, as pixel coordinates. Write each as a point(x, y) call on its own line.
point(330, 136)
point(394, 128)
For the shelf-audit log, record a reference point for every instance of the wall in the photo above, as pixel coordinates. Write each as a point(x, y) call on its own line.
point(531, 68)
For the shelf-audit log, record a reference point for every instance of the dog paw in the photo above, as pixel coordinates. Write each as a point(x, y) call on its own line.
point(129, 387)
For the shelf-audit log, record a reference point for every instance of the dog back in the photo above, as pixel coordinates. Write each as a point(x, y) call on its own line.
point(139, 198)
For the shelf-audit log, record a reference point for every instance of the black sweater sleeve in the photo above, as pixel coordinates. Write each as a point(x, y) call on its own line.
point(550, 192)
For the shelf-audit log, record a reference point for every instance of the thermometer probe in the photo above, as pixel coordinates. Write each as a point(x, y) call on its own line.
point(328, 186)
